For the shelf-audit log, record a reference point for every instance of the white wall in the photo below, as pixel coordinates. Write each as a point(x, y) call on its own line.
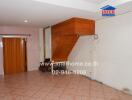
point(1, 58)
point(41, 45)
point(114, 50)
point(82, 53)
point(48, 43)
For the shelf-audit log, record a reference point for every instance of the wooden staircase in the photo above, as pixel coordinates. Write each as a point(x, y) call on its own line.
point(66, 34)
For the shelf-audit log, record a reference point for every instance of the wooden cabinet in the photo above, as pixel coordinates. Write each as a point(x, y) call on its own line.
point(84, 26)
point(66, 34)
point(64, 28)
point(75, 26)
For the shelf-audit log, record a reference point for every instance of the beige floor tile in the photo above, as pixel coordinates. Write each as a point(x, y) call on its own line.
point(51, 96)
point(71, 91)
point(67, 97)
point(36, 85)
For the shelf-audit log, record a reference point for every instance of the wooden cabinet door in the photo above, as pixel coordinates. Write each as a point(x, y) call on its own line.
point(14, 51)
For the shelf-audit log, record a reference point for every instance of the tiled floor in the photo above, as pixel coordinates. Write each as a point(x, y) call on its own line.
point(43, 86)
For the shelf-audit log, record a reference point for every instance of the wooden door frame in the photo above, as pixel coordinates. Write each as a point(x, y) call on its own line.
point(26, 60)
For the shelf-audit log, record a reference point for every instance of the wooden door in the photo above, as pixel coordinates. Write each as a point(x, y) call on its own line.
point(14, 50)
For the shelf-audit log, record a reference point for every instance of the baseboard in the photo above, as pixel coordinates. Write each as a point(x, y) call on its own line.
point(126, 92)
point(33, 69)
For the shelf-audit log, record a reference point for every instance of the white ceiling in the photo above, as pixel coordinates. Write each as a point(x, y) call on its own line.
point(42, 13)
point(96, 1)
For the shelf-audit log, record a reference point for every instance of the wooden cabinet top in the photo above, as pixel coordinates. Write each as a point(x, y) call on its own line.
point(72, 26)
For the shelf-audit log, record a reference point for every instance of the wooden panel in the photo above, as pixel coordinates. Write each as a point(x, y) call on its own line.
point(65, 35)
point(84, 26)
point(14, 55)
point(75, 26)
point(64, 28)
point(62, 46)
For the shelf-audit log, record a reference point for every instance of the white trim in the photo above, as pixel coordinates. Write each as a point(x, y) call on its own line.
point(14, 35)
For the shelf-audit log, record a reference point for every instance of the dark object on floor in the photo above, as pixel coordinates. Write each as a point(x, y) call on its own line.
point(59, 66)
point(46, 66)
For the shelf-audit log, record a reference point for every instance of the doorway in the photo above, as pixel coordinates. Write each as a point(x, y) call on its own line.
point(15, 55)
